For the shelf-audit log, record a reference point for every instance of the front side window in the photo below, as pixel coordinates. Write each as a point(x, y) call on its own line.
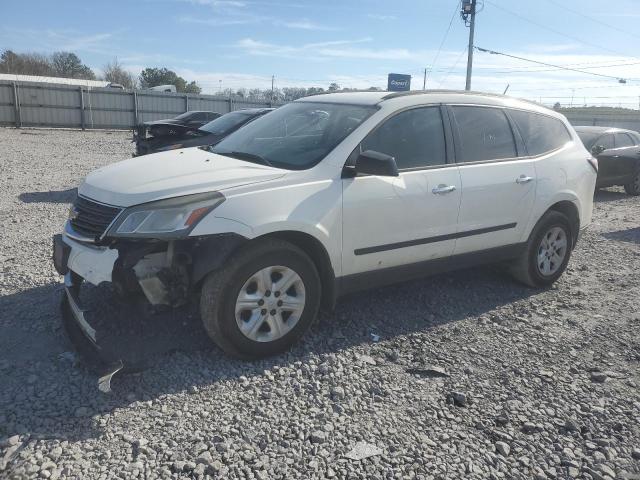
point(226, 123)
point(295, 136)
point(485, 134)
point(623, 140)
point(415, 138)
point(606, 141)
point(541, 134)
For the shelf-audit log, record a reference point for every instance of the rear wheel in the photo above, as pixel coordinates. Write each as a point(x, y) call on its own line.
point(633, 187)
point(262, 301)
point(547, 253)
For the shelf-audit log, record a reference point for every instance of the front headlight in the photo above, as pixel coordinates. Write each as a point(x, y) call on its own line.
point(169, 218)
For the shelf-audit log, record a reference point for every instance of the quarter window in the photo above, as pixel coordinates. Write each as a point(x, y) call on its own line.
point(623, 140)
point(485, 134)
point(541, 134)
point(415, 138)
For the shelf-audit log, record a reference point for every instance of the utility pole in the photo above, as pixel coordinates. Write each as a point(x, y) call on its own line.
point(273, 77)
point(424, 81)
point(469, 16)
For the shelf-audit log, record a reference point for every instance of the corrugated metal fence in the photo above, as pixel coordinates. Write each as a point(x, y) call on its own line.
point(31, 104)
point(629, 120)
point(27, 104)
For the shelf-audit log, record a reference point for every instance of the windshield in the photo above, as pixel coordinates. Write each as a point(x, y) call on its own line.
point(589, 138)
point(226, 123)
point(297, 135)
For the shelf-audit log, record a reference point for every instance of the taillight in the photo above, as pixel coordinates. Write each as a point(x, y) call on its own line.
point(594, 163)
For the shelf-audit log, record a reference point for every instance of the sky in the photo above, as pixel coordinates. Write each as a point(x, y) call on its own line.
point(243, 43)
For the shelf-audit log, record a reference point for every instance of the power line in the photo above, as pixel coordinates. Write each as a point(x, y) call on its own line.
point(596, 20)
point(446, 34)
point(557, 32)
point(532, 70)
point(493, 52)
point(453, 67)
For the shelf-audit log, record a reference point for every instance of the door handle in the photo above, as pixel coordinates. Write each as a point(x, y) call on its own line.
point(522, 179)
point(442, 189)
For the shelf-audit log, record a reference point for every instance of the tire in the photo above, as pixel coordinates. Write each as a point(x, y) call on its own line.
point(246, 273)
point(633, 187)
point(527, 268)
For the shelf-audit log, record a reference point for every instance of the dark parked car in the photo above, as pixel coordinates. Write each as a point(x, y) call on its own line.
point(208, 134)
point(618, 154)
point(173, 127)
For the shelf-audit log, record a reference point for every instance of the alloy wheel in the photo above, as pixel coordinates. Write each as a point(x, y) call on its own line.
point(270, 303)
point(552, 251)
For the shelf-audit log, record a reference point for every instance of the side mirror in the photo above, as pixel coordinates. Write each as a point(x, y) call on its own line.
point(597, 149)
point(375, 163)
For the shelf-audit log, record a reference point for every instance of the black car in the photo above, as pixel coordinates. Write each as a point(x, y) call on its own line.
point(208, 134)
point(618, 154)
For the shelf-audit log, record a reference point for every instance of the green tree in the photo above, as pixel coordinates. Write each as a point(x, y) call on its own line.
point(152, 77)
point(192, 87)
point(334, 87)
point(69, 65)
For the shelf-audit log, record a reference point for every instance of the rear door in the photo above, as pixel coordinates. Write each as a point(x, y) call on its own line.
point(393, 221)
point(623, 159)
point(498, 187)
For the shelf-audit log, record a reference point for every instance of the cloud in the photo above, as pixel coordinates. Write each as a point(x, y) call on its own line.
point(324, 50)
point(304, 25)
point(552, 48)
point(377, 16)
point(218, 3)
point(242, 18)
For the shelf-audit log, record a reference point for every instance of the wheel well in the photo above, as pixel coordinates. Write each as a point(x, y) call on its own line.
point(569, 210)
point(318, 254)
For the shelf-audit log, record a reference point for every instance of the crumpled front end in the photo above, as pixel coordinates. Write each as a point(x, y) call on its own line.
point(162, 273)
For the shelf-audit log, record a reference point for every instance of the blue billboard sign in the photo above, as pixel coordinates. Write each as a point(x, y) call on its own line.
point(398, 82)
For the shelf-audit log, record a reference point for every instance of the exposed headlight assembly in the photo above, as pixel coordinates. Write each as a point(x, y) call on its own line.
point(169, 218)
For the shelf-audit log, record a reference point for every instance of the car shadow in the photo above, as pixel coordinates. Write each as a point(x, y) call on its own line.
point(605, 195)
point(52, 196)
point(630, 235)
point(43, 374)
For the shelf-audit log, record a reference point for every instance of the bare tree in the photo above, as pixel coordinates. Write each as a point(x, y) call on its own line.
point(114, 72)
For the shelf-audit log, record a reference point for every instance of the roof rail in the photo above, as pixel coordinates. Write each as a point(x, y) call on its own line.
point(460, 92)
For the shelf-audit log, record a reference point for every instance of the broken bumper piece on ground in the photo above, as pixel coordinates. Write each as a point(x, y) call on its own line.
point(83, 335)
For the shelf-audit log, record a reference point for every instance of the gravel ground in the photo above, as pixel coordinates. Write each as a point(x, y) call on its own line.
point(465, 375)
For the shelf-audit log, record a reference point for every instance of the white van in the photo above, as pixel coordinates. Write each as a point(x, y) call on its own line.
point(328, 195)
point(163, 88)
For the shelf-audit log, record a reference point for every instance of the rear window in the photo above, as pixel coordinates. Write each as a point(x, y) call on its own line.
point(541, 134)
point(485, 134)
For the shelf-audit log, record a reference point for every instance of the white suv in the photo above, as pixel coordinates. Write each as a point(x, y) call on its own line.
point(327, 195)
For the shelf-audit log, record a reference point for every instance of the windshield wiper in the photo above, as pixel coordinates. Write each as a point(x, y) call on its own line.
point(250, 157)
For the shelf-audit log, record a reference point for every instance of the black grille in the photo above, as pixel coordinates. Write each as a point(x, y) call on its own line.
point(91, 218)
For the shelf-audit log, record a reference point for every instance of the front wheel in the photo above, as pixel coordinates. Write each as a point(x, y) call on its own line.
point(633, 187)
point(547, 253)
point(262, 301)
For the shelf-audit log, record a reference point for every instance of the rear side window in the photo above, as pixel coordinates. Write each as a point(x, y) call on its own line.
point(415, 138)
point(541, 134)
point(485, 134)
point(623, 140)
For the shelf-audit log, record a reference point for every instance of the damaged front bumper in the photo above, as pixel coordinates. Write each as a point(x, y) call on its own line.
point(163, 272)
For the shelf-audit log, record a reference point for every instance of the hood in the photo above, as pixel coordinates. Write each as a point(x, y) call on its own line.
point(171, 174)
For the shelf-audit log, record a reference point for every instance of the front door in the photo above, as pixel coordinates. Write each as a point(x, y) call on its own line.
point(393, 221)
